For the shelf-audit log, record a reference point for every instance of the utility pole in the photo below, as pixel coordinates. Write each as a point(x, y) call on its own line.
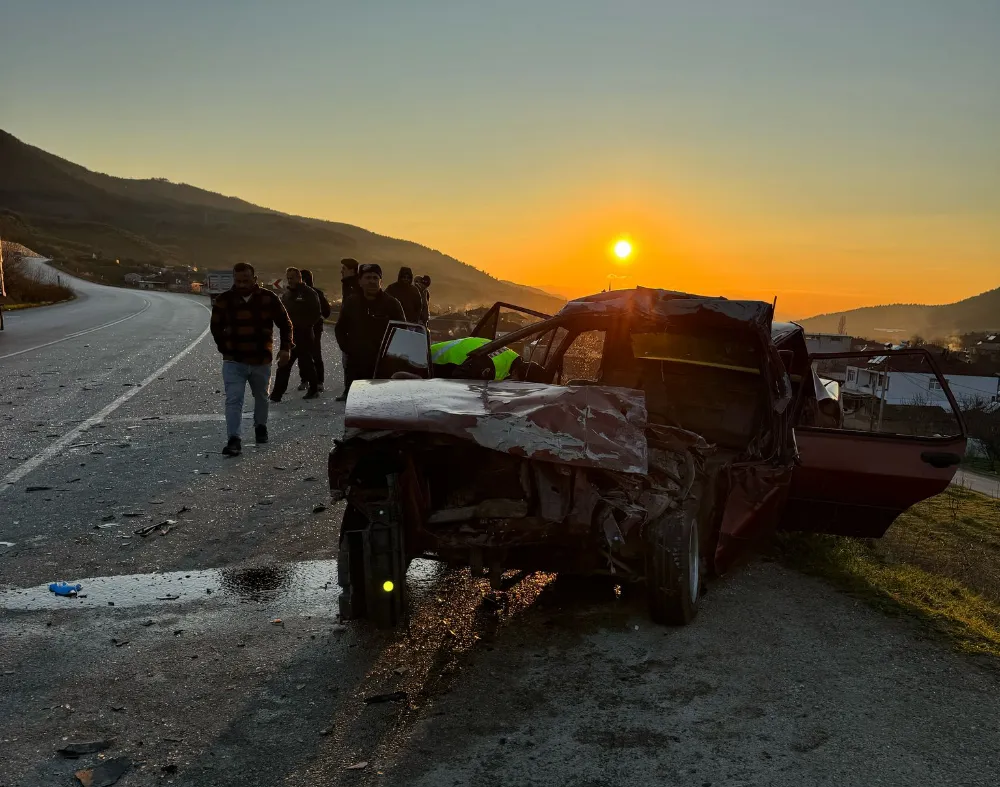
point(885, 386)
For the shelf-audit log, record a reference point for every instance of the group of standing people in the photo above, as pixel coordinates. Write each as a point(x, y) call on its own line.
point(243, 319)
point(366, 311)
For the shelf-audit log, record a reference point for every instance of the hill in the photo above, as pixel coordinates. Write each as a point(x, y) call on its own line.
point(85, 218)
point(978, 313)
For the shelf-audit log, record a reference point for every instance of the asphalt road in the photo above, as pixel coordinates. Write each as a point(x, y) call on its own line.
point(210, 652)
point(978, 482)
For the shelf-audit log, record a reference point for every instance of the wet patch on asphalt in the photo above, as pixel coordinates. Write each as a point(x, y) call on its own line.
point(296, 585)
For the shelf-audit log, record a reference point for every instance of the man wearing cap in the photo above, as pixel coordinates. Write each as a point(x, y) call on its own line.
point(362, 323)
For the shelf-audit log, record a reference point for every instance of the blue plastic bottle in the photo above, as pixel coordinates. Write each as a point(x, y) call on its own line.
point(62, 589)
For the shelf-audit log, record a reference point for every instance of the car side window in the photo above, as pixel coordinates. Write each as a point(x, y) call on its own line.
point(891, 394)
point(540, 347)
point(582, 358)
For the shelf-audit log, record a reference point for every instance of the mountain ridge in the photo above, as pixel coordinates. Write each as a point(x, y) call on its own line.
point(901, 320)
point(67, 211)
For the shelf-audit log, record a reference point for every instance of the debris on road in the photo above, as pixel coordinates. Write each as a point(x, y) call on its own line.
point(166, 523)
point(358, 766)
point(63, 589)
point(394, 696)
point(6, 543)
point(90, 747)
point(37, 488)
point(278, 622)
point(167, 598)
point(118, 643)
point(183, 510)
point(105, 774)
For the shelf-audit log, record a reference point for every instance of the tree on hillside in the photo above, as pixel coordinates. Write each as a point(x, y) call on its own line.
point(842, 325)
point(982, 419)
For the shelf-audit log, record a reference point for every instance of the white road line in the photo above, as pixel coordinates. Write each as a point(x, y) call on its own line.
point(73, 435)
point(79, 333)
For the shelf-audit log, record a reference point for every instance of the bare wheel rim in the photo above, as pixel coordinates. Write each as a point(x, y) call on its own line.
point(694, 563)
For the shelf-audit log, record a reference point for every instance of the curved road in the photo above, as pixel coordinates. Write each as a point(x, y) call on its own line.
point(209, 648)
point(67, 363)
point(93, 308)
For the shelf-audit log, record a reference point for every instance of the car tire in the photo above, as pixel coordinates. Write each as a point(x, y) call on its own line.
point(351, 566)
point(673, 568)
point(386, 608)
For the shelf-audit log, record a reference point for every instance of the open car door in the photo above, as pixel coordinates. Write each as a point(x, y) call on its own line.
point(504, 318)
point(405, 351)
point(898, 440)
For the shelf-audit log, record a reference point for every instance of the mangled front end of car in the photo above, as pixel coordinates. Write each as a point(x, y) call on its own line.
point(510, 475)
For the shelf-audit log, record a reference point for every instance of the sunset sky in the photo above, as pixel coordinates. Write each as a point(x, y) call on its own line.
point(834, 154)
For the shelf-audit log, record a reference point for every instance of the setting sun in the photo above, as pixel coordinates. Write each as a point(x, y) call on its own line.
point(623, 249)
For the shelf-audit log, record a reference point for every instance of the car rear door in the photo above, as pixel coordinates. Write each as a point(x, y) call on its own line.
point(900, 440)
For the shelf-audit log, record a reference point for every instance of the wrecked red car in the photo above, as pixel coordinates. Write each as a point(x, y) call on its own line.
point(654, 436)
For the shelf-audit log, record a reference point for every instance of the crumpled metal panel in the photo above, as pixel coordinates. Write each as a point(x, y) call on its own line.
point(584, 426)
point(657, 305)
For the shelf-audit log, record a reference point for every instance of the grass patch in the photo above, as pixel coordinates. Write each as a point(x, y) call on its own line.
point(939, 563)
point(27, 287)
point(13, 307)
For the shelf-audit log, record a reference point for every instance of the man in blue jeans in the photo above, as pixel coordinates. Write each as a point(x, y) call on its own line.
point(243, 319)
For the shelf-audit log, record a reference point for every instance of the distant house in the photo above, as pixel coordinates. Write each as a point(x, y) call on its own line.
point(988, 347)
point(828, 342)
point(907, 380)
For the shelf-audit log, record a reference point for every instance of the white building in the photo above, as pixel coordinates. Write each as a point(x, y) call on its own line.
point(828, 342)
point(919, 388)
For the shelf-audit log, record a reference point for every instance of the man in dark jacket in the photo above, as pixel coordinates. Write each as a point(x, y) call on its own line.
point(422, 283)
point(361, 326)
point(303, 307)
point(348, 286)
point(349, 278)
point(324, 306)
point(243, 322)
point(409, 297)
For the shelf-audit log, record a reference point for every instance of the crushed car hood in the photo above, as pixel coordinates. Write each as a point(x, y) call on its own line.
point(585, 426)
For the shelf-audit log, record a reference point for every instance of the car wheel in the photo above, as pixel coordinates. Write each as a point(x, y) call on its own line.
point(386, 576)
point(351, 566)
point(673, 568)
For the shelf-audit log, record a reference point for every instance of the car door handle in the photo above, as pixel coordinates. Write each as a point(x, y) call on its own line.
point(940, 458)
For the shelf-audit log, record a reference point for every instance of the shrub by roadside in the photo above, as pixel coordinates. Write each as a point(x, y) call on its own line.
point(26, 287)
point(940, 563)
